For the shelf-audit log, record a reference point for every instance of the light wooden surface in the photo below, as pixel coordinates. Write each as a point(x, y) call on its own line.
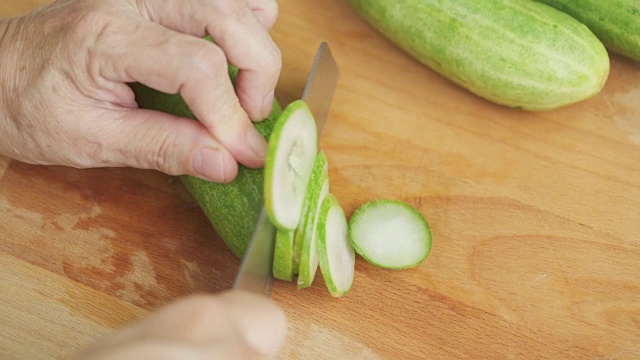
point(535, 219)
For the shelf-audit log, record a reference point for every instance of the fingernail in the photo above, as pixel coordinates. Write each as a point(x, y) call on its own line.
point(267, 104)
point(209, 164)
point(257, 144)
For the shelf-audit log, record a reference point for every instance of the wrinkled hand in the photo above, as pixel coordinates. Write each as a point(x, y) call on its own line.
point(234, 325)
point(64, 98)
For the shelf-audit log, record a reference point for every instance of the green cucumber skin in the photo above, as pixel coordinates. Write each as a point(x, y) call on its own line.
point(283, 249)
point(517, 53)
point(231, 208)
point(615, 22)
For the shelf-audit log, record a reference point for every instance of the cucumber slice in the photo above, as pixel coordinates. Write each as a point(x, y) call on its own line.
point(320, 174)
point(283, 255)
point(309, 255)
point(336, 256)
point(293, 147)
point(390, 234)
point(306, 235)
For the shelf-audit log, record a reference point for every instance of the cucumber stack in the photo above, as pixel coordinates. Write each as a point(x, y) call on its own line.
point(387, 233)
point(312, 230)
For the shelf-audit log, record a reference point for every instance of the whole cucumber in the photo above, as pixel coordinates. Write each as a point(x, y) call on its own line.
point(518, 53)
point(615, 22)
point(231, 208)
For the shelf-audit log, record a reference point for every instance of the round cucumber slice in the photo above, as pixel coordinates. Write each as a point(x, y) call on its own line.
point(336, 256)
point(390, 234)
point(293, 147)
point(283, 255)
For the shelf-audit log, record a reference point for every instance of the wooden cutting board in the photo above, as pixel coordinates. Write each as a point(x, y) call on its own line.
point(535, 220)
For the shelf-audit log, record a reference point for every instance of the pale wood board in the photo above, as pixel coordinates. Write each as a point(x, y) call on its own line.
point(535, 221)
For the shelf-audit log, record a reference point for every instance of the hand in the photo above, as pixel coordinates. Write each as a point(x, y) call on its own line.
point(234, 325)
point(64, 98)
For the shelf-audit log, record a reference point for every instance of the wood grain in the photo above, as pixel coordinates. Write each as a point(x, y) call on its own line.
point(535, 221)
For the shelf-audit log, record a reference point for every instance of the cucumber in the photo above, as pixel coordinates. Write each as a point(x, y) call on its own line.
point(336, 256)
point(306, 236)
point(309, 250)
point(615, 22)
point(517, 53)
point(283, 255)
point(390, 234)
point(293, 147)
point(231, 208)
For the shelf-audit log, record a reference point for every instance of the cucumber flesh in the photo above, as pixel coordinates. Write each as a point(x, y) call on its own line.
point(283, 255)
point(293, 147)
point(390, 234)
point(335, 254)
point(309, 254)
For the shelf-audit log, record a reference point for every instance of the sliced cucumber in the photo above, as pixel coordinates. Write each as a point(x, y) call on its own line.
point(309, 255)
point(320, 174)
point(390, 234)
point(335, 254)
point(283, 255)
point(293, 147)
point(306, 235)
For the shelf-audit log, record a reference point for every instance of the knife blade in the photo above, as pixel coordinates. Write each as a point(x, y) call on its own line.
point(256, 274)
point(321, 85)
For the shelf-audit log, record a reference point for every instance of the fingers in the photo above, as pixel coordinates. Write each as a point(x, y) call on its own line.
point(263, 324)
point(176, 146)
point(162, 55)
point(252, 320)
point(172, 62)
point(240, 33)
point(232, 325)
point(266, 11)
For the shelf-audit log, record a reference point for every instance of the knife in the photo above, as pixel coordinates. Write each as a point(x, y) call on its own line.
point(256, 269)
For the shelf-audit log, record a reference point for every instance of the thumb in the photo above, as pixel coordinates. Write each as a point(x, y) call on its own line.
point(261, 322)
point(148, 139)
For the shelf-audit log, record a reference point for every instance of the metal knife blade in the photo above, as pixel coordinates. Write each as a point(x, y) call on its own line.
point(321, 85)
point(256, 269)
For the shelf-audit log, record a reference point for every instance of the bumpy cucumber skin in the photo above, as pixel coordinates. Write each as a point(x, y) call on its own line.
point(615, 22)
point(283, 255)
point(517, 53)
point(231, 208)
